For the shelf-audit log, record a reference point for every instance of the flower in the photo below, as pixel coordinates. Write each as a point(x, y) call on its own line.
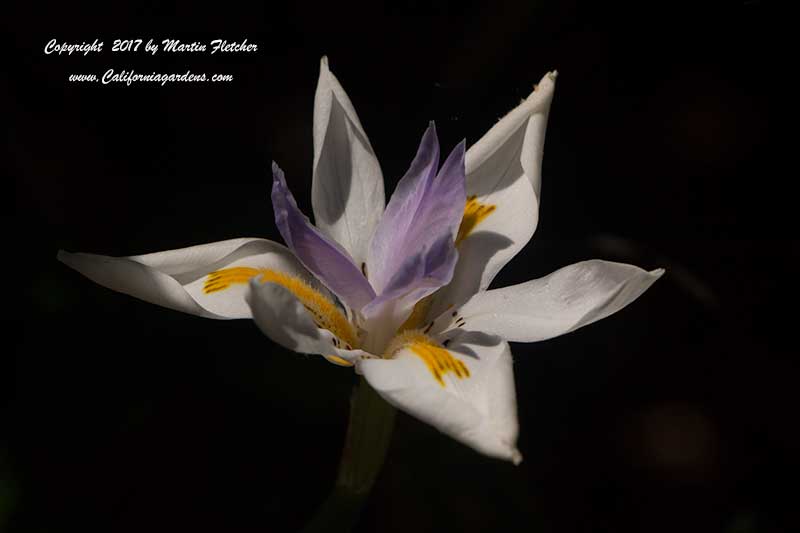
point(399, 293)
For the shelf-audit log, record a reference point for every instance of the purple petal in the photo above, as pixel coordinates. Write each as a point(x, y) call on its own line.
point(418, 276)
point(319, 254)
point(413, 243)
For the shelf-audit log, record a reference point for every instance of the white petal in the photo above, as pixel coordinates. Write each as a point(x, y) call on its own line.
point(284, 319)
point(175, 278)
point(479, 411)
point(567, 299)
point(518, 135)
point(503, 171)
point(347, 189)
point(495, 240)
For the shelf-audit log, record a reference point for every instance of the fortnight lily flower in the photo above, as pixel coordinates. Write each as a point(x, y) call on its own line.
point(399, 291)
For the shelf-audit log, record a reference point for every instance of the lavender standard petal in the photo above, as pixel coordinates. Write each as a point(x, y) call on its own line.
point(418, 276)
point(423, 215)
point(320, 255)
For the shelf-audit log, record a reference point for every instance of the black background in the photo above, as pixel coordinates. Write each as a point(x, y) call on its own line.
point(677, 414)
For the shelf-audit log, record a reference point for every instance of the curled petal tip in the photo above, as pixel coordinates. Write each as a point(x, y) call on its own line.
point(323, 62)
point(657, 272)
point(431, 136)
point(277, 173)
point(547, 83)
point(516, 457)
point(68, 258)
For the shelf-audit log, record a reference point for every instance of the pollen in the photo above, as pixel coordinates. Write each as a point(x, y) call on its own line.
point(474, 213)
point(324, 312)
point(438, 360)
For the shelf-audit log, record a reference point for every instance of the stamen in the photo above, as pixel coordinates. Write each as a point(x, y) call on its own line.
point(438, 360)
point(474, 213)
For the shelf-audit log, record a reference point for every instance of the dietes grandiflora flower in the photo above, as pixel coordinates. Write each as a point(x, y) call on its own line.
point(398, 291)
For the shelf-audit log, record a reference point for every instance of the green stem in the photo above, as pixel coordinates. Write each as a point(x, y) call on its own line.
point(368, 435)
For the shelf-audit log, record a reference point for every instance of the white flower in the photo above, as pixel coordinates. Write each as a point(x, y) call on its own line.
point(398, 291)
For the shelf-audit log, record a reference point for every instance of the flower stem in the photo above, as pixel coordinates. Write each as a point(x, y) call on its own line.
point(369, 433)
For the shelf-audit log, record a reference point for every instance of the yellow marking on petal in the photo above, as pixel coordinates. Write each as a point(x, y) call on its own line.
point(324, 312)
point(438, 360)
point(474, 213)
point(338, 360)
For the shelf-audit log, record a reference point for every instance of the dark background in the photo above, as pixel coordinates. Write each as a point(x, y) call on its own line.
point(677, 414)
